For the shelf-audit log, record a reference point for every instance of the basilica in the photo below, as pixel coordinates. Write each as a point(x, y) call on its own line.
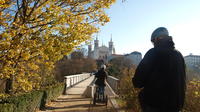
point(101, 52)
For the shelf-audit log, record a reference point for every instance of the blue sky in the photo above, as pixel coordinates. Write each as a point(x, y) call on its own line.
point(133, 21)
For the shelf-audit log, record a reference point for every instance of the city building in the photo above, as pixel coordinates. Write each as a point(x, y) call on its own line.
point(135, 57)
point(115, 56)
point(105, 53)
point(192, 60)
point(101, 52)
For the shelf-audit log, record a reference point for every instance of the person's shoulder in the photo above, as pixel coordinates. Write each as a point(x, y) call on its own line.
point(150, 52)
point(177, 51)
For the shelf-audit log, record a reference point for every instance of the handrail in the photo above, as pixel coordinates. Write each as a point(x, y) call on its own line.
point(113, 77)
point(114, 83)
point(74, 79)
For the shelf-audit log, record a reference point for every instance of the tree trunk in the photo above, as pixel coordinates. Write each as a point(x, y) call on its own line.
point(9, 85)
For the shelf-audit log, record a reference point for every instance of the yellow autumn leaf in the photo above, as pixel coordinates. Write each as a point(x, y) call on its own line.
point(34, 41)
point(196, 93)
point(25, 55)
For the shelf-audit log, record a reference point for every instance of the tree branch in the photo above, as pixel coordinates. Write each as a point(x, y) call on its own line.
point(35, 4)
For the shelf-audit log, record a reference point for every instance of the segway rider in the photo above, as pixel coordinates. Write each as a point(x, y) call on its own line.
point(101, 77)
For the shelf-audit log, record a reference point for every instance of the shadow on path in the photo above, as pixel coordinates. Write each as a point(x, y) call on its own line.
point(70, 100)
point(67, 107)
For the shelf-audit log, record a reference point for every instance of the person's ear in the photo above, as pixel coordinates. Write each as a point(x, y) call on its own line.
point(156, 39)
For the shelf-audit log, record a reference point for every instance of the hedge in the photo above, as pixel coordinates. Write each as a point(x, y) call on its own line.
point(6, 107)
point(28, 102)
point(51, 93)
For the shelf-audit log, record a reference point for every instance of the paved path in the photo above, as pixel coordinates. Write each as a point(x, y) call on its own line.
point(74, 101)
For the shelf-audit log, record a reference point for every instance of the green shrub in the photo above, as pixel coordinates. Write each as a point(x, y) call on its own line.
point(24, 103)
point(51, 93)
point(28, 102)
point(6, 107)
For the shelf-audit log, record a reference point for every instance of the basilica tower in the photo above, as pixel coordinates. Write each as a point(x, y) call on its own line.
point(89, 51)
point(111, 47)
point(96, 44)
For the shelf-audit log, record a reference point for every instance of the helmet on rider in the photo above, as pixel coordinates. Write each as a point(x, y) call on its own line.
point(159, 33)
point(103, 67)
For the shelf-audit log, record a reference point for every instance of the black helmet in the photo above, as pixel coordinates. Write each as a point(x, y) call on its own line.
point(161, 31)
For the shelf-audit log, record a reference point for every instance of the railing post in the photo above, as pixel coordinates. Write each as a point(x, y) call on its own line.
point(65, 86)
point(77, 79)
point(66, 81)
point(73, 80)
point(117, 85)
point(70, 81)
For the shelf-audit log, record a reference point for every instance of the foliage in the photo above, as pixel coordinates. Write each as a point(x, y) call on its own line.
point(76, 65)
point(192, 103)
point(127, 92)
point(47, 76)
point(22, 103)
point(77, 55)
point(123, 69)
point(30, 101)
point(40, 32)
point(51, 93)
point(6, 107)
point(116, 66)
point(99, 62)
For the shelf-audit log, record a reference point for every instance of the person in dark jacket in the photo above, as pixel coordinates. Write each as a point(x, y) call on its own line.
point(101, 77)
point(161, 75)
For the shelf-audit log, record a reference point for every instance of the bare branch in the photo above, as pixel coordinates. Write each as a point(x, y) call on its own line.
point(35, 4)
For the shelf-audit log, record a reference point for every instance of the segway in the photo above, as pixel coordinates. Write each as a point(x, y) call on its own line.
point(100, 96)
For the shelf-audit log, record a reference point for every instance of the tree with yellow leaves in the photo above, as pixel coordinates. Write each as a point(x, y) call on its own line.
point(35, 33)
